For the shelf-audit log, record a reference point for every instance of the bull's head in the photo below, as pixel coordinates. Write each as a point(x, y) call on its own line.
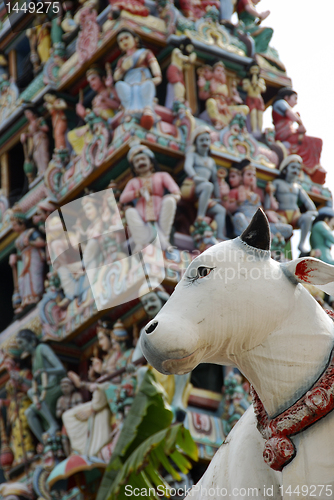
point(231, 299)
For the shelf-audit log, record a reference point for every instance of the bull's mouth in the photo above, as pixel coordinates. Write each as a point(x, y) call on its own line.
point(180, 366)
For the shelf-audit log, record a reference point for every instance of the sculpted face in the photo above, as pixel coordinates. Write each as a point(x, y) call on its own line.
point(29, 115)
point(66, 388)
point(126, 41)
point(203, 143)
point(95, 82)
point(104, 341)
point(219, 73)
point(151, 303)
point(90, 210)
point(24, 344)
point(18, 226)
point(234, 179)
point(292, 100)
point(249, 179)
point(292, 172)
point(141, 163)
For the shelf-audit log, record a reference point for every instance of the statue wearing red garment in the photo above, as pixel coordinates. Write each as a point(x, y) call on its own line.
point(309, 148)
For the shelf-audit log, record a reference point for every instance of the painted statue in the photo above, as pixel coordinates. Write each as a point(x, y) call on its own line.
point(104, 105)
point(220, 105)
point(249, 22)
point(290, 194)
point(56, 106)
point(44, 209)
point(244, 201)
point(196, 10)
point(15, 491)
point(35, 144)
point(17, 402)
point(154, 211)
point(202, 182)
point(28, 262)
point(135, 7)
point(273, 441)
point(322, 238)
point(309, 148)
point(47, 371)
point(137, 74)
point(70, 398)
point(180, 59)
point(254, 85)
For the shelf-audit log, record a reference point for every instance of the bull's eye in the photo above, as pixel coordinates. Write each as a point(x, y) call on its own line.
point(200, 272)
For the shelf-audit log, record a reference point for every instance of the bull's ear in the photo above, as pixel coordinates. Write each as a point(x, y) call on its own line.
point(312, 271)
point(257, 234)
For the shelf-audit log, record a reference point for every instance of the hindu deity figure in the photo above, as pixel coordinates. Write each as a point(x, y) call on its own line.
point(68, 400)
point(181, 58)
point(137, 74)
point(197, 10)
point(56, 106)
point(104, 105)
point(249, 21)
point(47, 371)
point(28, 262)
point(35, 144)
point(89, 425)
point(322, 239)
point(220, 106)
point(246, 199)
point(154, 211)
point(254, 85)
point(290, 195)
point(309, 148)
point(202, 180)
point(17, 402)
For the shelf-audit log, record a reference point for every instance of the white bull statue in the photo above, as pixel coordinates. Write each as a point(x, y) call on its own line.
point(237, 306)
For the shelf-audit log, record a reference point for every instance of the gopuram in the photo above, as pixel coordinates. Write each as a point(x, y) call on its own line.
point(132, 139)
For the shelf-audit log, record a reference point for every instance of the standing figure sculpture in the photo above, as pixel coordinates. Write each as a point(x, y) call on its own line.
point(202, 173)
point(322, 238)
point(249, 20)
point(137, 74)
point(35, 144)
point(154, 210)
point(28, 263)
point(176, 90)
point(254, 85)
point(56, 106)
point(68, 400)
point(309, 148)
point(290, 194)
point(47, 371)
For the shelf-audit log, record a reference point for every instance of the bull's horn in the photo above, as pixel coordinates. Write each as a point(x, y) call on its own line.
point(257, 234)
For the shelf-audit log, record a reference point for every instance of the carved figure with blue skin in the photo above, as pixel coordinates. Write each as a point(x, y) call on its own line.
point(44, 395)
point(136, 76)
point(322, 239)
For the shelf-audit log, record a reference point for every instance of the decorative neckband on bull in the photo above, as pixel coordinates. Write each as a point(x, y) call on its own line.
point(315, 404)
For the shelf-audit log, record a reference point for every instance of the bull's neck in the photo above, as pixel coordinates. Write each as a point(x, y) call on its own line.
point(286, 365)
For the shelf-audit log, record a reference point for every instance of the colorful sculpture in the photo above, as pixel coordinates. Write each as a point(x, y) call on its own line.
point(28, 262)
point(68, 400)
point(289, 194)
point(154, 211)
point(137, 74)
point(202, 180)
point(35, 144)
point(15, 491)
point(56, 106)
point(321, 238)
point(220, 106)
point(135, 7)
point(249, 21)
point(309, 148)
point(47, 371)
point(291, 317)
point(176, 90)
point(254, 85)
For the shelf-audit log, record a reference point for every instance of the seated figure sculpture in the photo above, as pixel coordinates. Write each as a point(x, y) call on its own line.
point(153, 209)
point(322, 239)
point(202, 180)
point(309, 148)
point(137, 74)
point(47, 371)
point(290, 194)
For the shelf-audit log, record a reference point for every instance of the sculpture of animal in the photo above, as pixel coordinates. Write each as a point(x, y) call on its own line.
point(237, 306)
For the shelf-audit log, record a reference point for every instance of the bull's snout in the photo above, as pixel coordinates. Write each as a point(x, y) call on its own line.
point(151, 326)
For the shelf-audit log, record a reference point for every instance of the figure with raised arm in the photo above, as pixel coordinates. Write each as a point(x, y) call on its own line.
point(154, 210)
point(202, 171)
point(137, 74)
point(250, 20)
point(47, 371)
point(309, 148)
point(290, 195)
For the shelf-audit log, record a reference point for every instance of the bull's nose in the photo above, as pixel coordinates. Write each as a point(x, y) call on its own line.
point(151, 326)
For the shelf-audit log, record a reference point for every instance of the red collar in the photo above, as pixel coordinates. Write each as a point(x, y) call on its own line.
point(315, 404)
